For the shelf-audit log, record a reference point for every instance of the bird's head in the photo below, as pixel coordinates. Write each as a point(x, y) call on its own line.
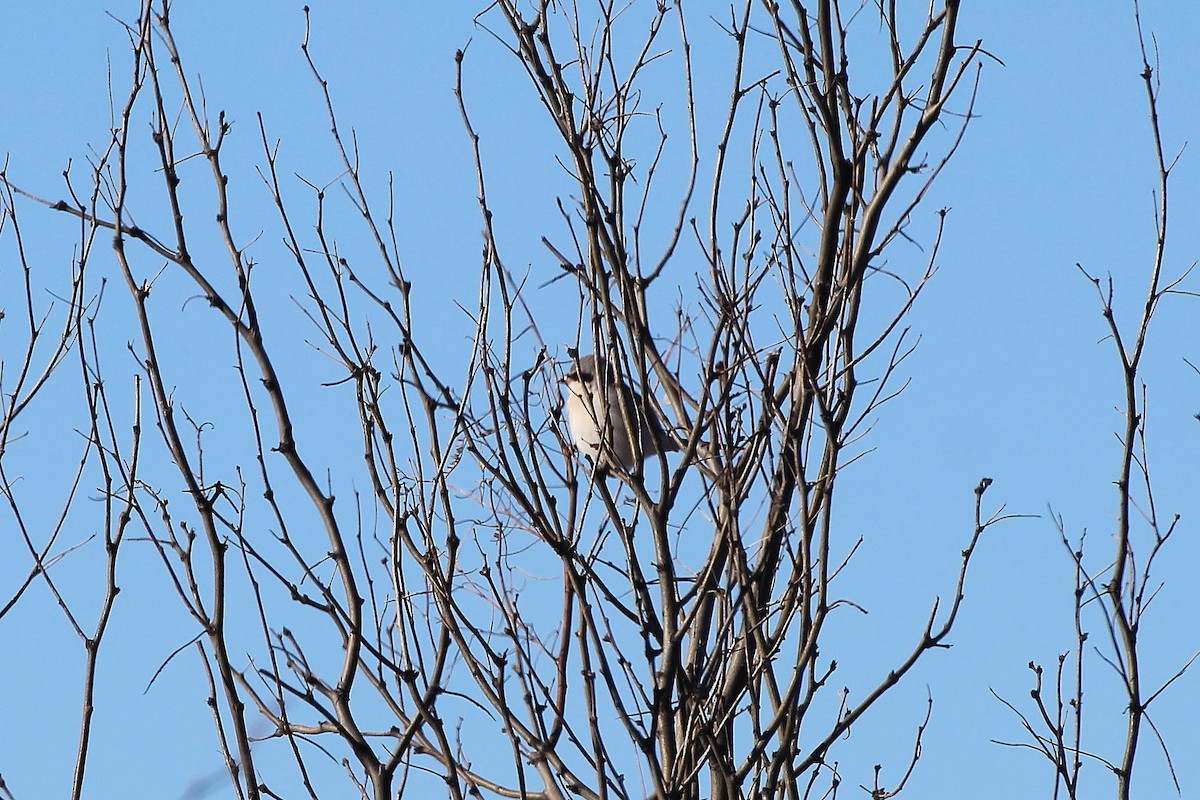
point(584, 371)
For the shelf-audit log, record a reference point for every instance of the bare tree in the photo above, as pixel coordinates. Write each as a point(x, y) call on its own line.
point(654, 626)
point(1115, 597)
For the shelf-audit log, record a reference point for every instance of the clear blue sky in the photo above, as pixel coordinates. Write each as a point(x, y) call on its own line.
point(1011, 380)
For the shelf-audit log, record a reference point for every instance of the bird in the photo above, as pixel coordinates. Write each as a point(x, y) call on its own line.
point(599, 404)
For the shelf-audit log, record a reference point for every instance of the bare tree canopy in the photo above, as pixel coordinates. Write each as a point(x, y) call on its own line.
point(567, 435)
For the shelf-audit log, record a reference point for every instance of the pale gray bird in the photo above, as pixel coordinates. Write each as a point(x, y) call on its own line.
point(598, 405)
